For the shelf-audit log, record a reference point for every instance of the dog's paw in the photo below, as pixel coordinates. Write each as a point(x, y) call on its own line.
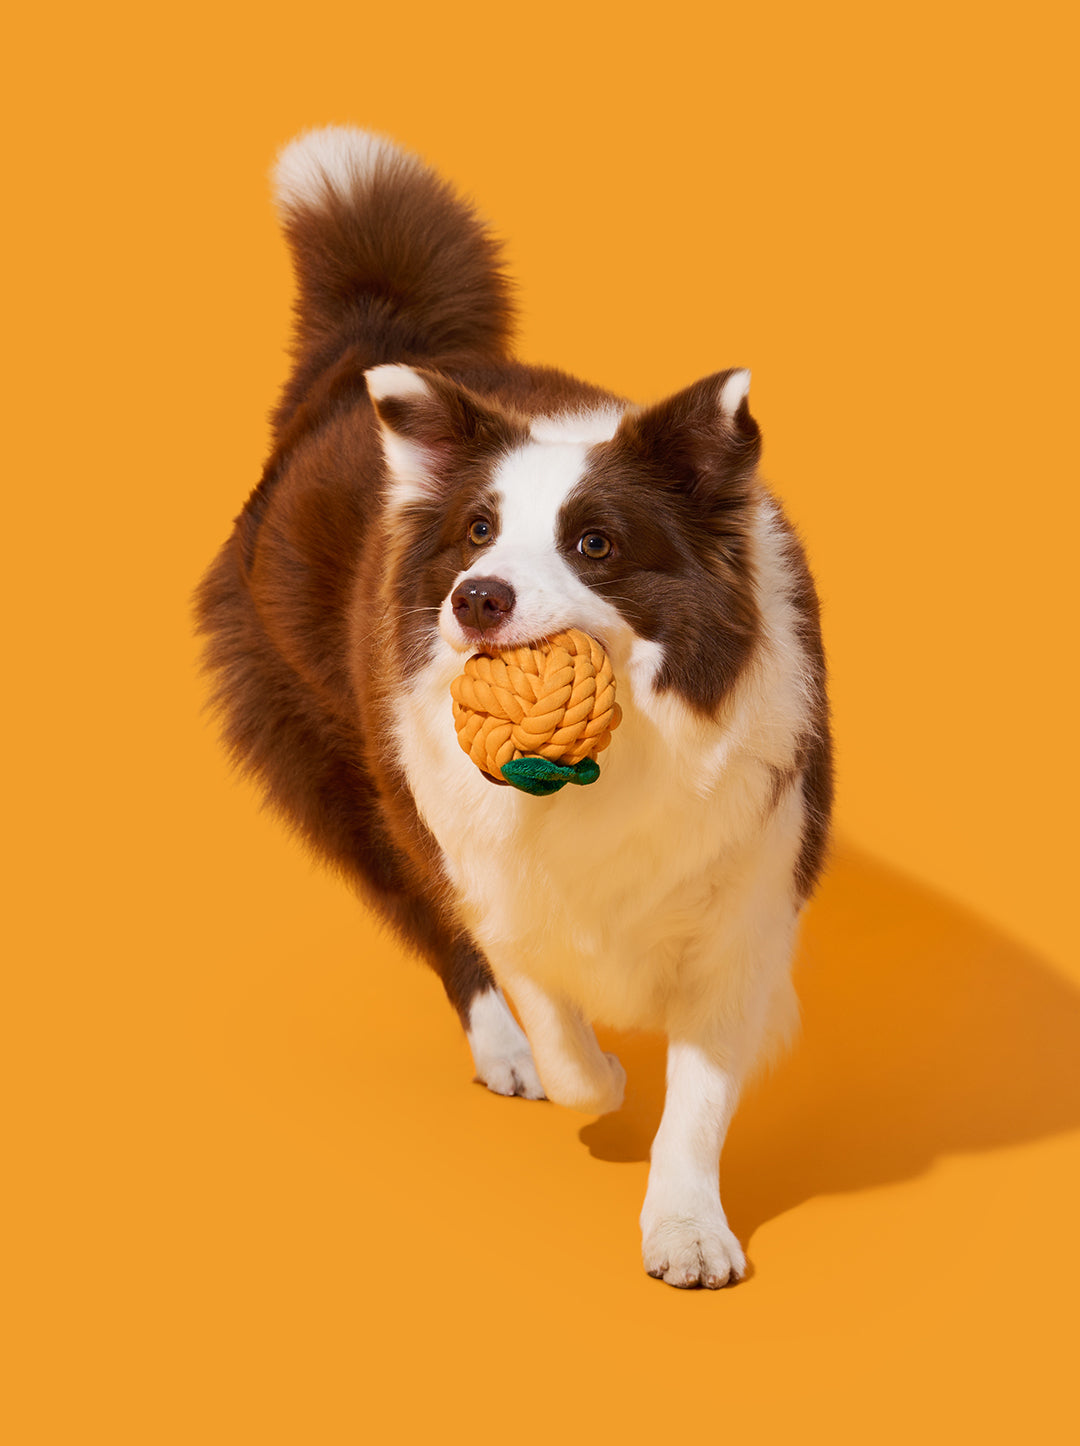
point(500, 1050)
point(598, 1092)
point(689, 1252)
point(512, 1075)
point(613, 1096)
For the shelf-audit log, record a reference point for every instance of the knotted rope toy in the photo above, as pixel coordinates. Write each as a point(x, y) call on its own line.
point(537, 716)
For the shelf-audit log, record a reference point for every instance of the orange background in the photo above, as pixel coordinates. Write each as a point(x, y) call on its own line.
point(256, 1197)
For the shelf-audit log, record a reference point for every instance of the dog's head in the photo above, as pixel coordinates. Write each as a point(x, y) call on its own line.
point(631, 524)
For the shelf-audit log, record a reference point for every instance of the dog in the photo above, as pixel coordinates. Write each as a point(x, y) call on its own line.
point(428, 497)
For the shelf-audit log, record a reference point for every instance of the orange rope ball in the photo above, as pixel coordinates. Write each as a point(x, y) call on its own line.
point(554, 701)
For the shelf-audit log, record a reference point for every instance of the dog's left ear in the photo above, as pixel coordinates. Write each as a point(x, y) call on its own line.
point(430, 427)
point(702, 440)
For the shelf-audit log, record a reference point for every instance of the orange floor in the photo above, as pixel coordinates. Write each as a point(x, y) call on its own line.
point(253, 1196)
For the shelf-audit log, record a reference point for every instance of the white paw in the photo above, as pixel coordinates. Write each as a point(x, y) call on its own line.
point(500, 1050)
point(512, 1075)
point(687, 1252)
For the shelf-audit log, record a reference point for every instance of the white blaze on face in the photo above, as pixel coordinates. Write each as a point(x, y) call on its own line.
point(531, 487)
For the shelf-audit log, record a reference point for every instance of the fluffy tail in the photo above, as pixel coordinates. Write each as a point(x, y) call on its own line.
point(386, 255)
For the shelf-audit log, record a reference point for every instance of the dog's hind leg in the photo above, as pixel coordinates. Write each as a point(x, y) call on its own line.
point(500, 1050)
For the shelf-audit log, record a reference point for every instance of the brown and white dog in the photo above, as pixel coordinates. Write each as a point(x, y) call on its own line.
point(427, 495)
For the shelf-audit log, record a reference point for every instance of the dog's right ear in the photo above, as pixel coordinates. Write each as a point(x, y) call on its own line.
point(431, 427)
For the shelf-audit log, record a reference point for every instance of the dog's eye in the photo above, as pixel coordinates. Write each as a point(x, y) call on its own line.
point(480, 532)
point(594, 544)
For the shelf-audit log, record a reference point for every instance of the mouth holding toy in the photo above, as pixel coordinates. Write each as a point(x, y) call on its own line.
point(536, 716)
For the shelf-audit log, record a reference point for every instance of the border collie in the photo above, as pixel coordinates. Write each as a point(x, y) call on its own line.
point(413, 455)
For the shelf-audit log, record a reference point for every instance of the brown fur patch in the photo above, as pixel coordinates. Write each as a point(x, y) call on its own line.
point(674, 491)
point(815, 760)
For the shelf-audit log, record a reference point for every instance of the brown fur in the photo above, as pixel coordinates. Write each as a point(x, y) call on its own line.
point(814, 769)
point(673, 491)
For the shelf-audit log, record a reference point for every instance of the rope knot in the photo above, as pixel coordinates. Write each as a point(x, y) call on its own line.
point(554, 701)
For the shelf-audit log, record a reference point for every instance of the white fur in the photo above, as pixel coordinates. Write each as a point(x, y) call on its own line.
point(686, 1239)
point(393, 379)
point(336, 158)
point(500, 1050)
point(735, 390)
point(409, 465)
point(588, 427)
point(575, 1071)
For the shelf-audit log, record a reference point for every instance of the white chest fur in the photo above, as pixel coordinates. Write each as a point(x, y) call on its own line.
point(616, 895)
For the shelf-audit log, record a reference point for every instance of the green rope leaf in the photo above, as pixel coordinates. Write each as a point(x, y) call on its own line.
point(540, 777)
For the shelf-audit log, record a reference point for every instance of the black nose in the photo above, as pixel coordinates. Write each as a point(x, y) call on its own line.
point(482, 602)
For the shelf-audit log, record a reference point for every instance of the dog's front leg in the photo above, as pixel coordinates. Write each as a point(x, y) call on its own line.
point(685, 1236)
point(573, 1069)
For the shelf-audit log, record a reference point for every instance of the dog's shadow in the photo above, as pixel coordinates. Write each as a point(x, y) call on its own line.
point(925, 1033)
